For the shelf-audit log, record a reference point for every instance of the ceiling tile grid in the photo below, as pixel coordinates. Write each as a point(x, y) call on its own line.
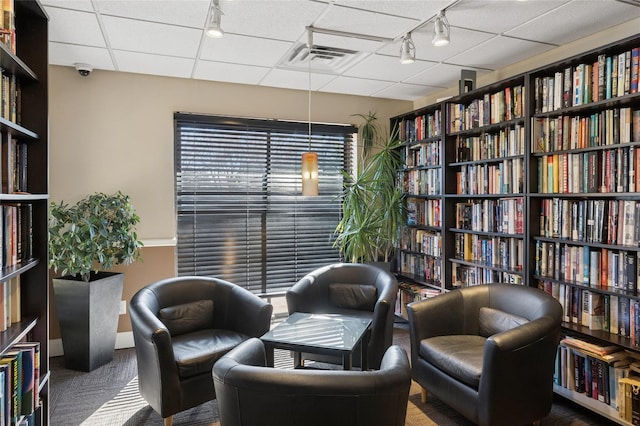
point(265, 40)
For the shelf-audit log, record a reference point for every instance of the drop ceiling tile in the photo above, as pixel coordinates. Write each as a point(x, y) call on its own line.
point(498, 16)
point(85, 5)
point(149, 37)
point(553, 28)
point(498, 52)
point(142, 63)
point(247, 50)
point(229, 73)
point(355, 86)
point(364, 22)
point(69, 54)
point(190, 13)
point(415, 9)
point(69, 26)
point(406, 92)
point(276, 19)
point(295, 79)
point(382, 67)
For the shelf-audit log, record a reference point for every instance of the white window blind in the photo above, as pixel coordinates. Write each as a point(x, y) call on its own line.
point(240, 213)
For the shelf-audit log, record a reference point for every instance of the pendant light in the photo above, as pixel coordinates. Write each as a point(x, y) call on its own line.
point(309, 158)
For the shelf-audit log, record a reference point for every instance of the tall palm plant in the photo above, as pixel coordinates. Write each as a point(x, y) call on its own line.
point(372, 207)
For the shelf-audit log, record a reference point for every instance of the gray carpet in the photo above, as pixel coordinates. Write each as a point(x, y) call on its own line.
point(108, 396)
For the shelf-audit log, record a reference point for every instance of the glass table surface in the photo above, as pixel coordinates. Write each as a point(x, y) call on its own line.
point(330, 331)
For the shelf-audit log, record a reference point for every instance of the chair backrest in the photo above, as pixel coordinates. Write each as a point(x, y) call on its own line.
point(250, 394)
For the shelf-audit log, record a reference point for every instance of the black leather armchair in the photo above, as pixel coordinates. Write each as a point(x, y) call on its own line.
point(353, 289)
point(181, 327)
point(250, 394)
point(488, 351)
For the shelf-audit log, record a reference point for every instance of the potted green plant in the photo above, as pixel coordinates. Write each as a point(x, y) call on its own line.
point(372, 208)
point(85, 240)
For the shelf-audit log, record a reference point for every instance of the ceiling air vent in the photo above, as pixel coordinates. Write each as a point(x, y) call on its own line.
point(324, 59)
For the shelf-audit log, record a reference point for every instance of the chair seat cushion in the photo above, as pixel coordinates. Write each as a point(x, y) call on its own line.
point(460, 356)
point(196, 352)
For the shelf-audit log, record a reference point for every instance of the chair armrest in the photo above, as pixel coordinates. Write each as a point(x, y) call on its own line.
point(251, 315)
point(157, 369)
point(300, 297)
point(522, 355)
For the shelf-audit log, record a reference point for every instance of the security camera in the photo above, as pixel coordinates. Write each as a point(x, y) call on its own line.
point(83, 69)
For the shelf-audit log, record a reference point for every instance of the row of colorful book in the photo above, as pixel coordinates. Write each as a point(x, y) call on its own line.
point(593, 221)
point(504, 177)
point(598, 268)
point(504, 105)
point(605, 78)
point(19, 384)
point(605, 171)
point(603, 128)
point(503, 143)
point(617, 314)
point(422, 127)
point(504, 215)
point(424, 154)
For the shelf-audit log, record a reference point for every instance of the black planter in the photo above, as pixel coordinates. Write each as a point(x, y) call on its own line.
point(88, 315)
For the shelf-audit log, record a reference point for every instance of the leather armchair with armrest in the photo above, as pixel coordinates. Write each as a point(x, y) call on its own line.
point(487, 351)
point(250, 394)
point(181, 327)
point(352, 289)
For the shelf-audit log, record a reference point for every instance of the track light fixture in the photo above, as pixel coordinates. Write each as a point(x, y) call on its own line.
point(441, 30)
point(407, 50)
point(214, 29)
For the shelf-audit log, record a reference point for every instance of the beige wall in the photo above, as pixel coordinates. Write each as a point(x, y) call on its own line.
point(114, 131)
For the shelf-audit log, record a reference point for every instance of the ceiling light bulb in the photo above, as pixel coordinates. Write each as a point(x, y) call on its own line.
point(441, 31)
point(407, 50)
point(213, 28)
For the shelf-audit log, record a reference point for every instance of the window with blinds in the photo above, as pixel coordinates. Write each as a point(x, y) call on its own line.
point(240, 213)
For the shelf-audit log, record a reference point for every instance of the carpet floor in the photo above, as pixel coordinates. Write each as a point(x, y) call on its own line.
point(108, 396)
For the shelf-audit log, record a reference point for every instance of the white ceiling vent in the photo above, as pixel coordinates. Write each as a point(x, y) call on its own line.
point(324, 59)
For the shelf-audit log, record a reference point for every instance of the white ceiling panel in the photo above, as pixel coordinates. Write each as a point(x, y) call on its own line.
point(229, 73)
point(276, 19)
point(295, 79)
point(68, 54)
point(234, 48)
point(190, 13)
point(149, 37)
point(406, 92)
point(498, 16)
point(382, 67)
point(414, 9)
point(499, 52)
point(364, 22)
point(264, 41)
point(79, 28)
point(355, 86)
point(553, 28)
point(143, 63)
point(86, 5)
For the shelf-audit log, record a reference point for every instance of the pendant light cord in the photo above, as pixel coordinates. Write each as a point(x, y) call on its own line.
point(309, 46)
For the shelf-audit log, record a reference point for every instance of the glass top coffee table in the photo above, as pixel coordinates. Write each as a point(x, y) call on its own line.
point(326, 334)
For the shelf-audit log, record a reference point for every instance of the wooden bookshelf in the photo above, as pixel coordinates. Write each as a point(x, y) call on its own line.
point(28, 125)
point(529, 188)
